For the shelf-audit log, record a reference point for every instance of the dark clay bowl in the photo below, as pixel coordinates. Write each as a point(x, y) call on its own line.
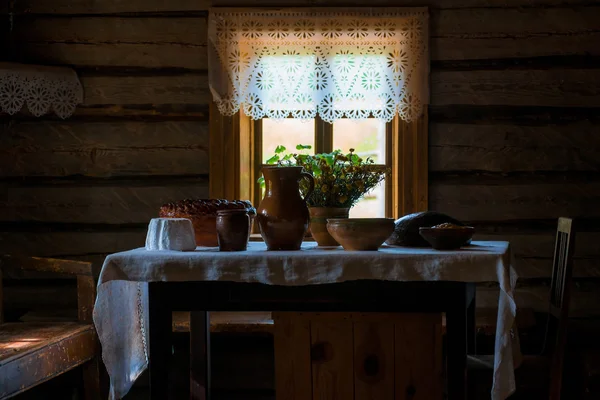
point(447, 239)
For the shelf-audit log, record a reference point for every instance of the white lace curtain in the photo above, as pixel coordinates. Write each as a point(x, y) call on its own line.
point(40, 88)
point(354, 63)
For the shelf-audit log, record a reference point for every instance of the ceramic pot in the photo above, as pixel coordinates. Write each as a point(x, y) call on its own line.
point(360, 234)
point(318, 223)
point(233, 227)
point(283, 215)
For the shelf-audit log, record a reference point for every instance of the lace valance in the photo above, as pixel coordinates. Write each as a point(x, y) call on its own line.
point(40, 88)
point(352, 63)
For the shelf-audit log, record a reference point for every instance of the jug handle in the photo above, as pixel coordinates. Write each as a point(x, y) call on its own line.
point(311, 188)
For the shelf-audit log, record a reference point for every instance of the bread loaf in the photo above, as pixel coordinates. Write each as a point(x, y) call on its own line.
point(203, 214)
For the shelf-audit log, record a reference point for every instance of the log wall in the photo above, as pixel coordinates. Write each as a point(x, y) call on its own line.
point(514, 126)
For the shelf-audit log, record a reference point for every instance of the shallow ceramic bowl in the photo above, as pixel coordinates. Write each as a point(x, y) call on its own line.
point(360, 234)
point(447, 238)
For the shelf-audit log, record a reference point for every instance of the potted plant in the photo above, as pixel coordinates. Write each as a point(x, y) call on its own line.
point(340, 181)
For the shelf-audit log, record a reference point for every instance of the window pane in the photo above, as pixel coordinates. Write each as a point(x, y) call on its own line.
point(286, 132)
point(366, 136)
point(372, 205)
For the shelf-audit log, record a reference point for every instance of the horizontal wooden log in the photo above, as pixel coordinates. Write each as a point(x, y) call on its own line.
point(161, 6)
point(511, 115)
point(508, 21)
point(48, 148)
point(482, 33)
point(495, 33)
point(148, 112)
point(508, 148)
point(124, 90)
point(186, 30)
point(555, 88)
point(526, 200)
point(95, 204)
point(194, 57)
point(533, 253)
point(115, 55)
point(42, 297)
point(97, 30)
point(70, 244)
point(585, 302)
point(577, 88)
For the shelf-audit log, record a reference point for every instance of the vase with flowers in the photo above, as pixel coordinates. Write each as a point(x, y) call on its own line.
point(341, 179)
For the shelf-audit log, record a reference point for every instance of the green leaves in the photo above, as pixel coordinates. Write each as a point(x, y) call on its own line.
point(273, 160)
point(303, 147)
point(280, 149)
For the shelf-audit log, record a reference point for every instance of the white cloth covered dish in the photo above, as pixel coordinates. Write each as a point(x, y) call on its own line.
point(121, 311)
point(170, 234)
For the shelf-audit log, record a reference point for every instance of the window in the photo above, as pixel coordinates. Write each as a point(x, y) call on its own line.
point(369, 138)
point(332, 78)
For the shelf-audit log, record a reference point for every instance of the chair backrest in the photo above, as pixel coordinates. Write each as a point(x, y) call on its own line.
point(18, 267)
point(560, 298)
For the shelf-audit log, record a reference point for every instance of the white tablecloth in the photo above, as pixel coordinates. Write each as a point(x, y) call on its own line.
point(121, 311)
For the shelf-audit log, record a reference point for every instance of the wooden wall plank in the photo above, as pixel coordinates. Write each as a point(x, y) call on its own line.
point(70, 244)
point(555, 88)
point(418, 356)
point(96, 204)
point(183, 31)
point(122, 6)
point(508, 21)
point(147, 112)
point(194, 57)
point(541, 244)
point(573, 87)
point(107, 6)
point(456, 34)
point(373, 361)
point(585, 302)
point(530, 200)
point(122, 90)
point(52, 148)
point(332, 361)
point(533, 253)
point(508, 148)
point(115, 55)
point(484, 48)
point(191, 30)
point(292, 357)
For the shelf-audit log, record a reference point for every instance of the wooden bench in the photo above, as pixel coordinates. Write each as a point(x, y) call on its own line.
point(262, 322)
point(32, 353)
point(229, 322)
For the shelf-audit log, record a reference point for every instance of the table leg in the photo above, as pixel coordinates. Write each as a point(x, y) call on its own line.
point(456, 334)
point(199, 355)
point(160, 329)
point(471, 323)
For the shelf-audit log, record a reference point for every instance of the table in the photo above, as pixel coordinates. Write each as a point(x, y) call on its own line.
point(390, 280)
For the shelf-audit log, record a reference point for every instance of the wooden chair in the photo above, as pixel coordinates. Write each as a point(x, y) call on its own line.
point(32, 353)
point(540, 376)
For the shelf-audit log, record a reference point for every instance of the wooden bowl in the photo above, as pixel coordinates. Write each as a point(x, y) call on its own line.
point(447, 238)
point(360, 234)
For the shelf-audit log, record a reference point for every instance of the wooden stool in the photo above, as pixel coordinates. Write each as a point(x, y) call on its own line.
point(32, 353)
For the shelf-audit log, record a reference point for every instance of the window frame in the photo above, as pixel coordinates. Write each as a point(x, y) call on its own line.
point(233, 153)
point(323, 143)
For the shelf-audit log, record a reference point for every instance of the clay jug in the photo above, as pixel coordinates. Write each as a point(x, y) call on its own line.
point(283, 215)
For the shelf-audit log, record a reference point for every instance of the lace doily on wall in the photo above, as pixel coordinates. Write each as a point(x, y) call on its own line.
point(351, 63)
point(40, 88)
